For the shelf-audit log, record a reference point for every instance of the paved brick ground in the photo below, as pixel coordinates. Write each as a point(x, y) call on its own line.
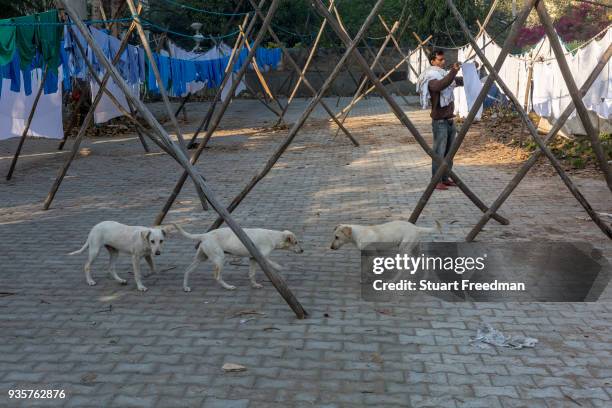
point(110, 345)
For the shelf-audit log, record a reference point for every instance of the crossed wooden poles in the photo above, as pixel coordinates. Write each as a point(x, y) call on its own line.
point(178, 152)
point(351, 49)
point(301, 72)
point(267, 91)
point(577, 103)
point(67, 131)
point(359, 94)
point(216, 119)
point(491, 212)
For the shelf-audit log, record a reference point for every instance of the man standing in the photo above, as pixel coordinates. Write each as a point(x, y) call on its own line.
point(436, 87)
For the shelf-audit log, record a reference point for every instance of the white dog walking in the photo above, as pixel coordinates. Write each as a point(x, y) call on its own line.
point(401, 233)
point(140, 242)
point(215, 244)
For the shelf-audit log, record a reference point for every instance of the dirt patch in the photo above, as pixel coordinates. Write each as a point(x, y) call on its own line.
point(500, 139)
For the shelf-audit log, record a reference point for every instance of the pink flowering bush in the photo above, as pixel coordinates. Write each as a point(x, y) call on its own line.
point(577, 25)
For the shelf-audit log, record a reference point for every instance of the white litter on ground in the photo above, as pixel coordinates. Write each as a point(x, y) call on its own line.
point(487, 336)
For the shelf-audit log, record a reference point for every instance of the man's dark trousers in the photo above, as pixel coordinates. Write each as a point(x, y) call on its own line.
point(444, 132)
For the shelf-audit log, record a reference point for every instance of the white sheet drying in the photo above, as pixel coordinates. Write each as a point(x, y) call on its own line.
point(15, 108)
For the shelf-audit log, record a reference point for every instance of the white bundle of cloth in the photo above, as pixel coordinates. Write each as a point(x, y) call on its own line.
point(466, 95)
point(422, 87)
point(418, 62)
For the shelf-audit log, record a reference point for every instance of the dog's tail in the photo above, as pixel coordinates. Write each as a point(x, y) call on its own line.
point(186, 234)
point(84, 247)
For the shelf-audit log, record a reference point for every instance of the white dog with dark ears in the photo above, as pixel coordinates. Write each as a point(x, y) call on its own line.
point(139, 242)
point(215, 244)
point(401, 233)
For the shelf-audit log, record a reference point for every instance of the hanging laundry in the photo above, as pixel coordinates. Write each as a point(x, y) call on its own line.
point(466, 95)
point(102, 40)
point(12, 72)
point(15, 108)
point(28, 37)
point(106, 109)
point(48, 37)
point(419, 62)
point(267, 58)
point(76, 65)
point(7, 42)
point(123, 62)
point(543, 86)
point(133, 65)
point(25, 39)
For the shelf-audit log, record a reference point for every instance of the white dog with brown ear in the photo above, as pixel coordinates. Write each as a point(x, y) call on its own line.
point(401, 233)
point(215, 244)
point(140, 242)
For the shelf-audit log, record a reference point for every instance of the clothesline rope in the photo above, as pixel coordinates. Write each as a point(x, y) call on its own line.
point(60, 23)
point(217, 13)
point(167, 30)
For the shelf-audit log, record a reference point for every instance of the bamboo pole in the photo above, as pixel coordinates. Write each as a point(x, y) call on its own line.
point(261, 100)
point(259, 74)
point(182, 105)
point(228, 74)
point(216, 120)
point(364, 81)
point(261, 79)
point(311, 55)
point(397, 45)
point(397, 110)
point(183, 160)
point(224, 31)
point(483, 26)
point(131, 114)
point(372, 55)
point(114, 29)
point(9, 175)
point(493, 74)
point(303, 78)
point(527, 165)
point(72, 123)
point(384, 77)
point(155, 69)
point(86, 122)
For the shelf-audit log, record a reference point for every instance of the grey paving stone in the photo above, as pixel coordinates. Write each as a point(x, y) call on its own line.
point(163, 348)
